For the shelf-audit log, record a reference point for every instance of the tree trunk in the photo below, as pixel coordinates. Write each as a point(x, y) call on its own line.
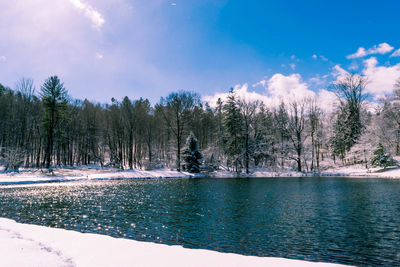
point(247, 158)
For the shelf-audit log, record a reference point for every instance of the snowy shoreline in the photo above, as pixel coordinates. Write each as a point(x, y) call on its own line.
point(35, 176)
point(32, 245)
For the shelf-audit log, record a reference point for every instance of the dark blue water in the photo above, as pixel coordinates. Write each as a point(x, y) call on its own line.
point(350, 221)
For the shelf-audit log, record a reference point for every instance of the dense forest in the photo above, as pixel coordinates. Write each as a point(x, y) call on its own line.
point(46, 128)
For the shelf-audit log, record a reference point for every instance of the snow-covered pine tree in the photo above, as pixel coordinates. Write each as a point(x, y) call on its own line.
point(192, 154)
point(233, 122)
point(348, 126)
point(382, 158)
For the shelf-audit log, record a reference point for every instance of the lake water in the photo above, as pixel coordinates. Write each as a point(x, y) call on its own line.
point(341, 220)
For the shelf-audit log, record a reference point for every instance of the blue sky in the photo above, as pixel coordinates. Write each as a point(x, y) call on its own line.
point(103, 49)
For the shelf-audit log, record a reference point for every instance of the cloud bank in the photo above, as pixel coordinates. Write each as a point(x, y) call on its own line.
point(381, 79)
point(280, 88)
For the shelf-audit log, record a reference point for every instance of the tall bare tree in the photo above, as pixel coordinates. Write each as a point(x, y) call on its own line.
point(297, 123)
point(248, 110)
point(176, 109)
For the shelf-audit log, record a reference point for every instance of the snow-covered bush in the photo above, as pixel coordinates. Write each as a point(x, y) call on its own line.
point(382, 158)
point(12, 159)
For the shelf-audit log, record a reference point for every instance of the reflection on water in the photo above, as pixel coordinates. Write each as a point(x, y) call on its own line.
point(351, 221)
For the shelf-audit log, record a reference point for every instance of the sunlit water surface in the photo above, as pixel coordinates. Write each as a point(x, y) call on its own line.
point(350, 221)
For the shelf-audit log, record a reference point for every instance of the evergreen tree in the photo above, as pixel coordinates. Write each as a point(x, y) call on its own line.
point(348, 126)
point(233, 130)
point(382, 158)
point(54, 98)
point(192, 155)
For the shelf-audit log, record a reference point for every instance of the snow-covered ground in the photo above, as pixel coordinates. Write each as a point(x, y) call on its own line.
point(32, 245)
point(349, 171)
point(96, 173)
point(361, 171)
point(79, 174)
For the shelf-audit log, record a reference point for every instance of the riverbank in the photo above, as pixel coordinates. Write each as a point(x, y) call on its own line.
point(31, 176)
point(32, 245)
point(354, 171)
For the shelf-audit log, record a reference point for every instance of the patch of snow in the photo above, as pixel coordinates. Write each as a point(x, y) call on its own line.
point(360, 171)
point(32, 245)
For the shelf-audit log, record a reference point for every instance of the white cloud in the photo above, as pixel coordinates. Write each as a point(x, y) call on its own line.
point(382, 48)
point(3, 58)
point(262, 83)
point(323, 58)
point(361, 52)
point(353, 66)
point(241, 91)
point(380, 78)
point(317, 80)
point(339, 73)
point(279, 88)
point(173, 4)
point(315, 56)
point(95, 16)
point(396, 53)
point(327, 100)
point(292, 66)
point(99, 56)
point(290, 88)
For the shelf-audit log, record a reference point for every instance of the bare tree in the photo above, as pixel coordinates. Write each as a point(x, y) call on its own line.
point(248, 110)
point(297, 119)
point(26, 87)
point(176, 108)
point(391, 116)
point(314, 118)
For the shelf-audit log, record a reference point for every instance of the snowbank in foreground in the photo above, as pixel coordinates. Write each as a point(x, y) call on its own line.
point(32, 245)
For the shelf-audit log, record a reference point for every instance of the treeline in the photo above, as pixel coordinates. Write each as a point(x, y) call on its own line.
point(46, 128)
